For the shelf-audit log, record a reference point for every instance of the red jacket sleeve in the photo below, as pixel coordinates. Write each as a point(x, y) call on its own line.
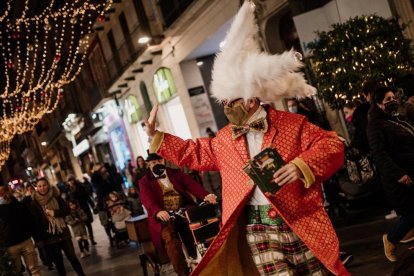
point(197, 155)
point(322, 150)
point(148, 198)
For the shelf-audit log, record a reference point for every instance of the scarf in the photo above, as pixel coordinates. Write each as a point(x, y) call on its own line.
point(48, 201)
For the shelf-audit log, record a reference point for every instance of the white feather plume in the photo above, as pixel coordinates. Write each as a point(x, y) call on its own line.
point(241, 70)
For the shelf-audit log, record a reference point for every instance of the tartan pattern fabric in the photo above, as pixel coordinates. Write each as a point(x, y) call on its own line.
point(259, 125)
point(301, 208)
point(259, 214)
point(277, 250)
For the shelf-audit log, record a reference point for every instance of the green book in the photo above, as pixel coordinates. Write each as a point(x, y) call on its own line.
point(262, 168)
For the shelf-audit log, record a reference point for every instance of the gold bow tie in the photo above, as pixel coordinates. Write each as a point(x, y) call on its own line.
point(259, 125)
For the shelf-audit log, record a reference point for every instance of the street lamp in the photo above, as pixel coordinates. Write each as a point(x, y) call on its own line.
point(144, 39)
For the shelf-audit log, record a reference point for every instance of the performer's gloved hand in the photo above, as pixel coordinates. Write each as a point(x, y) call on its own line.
point(150, 123)
point(163, 216)
point(287, 174)
point(211, 198)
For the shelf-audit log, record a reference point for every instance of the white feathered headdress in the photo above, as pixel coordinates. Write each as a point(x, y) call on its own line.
point(242, 70)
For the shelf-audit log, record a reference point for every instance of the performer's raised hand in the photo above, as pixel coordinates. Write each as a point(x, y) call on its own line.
point(150, 123)
point(287, 174)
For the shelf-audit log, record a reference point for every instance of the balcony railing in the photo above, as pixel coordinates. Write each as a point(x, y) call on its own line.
point(126, 54)
point(172, 9)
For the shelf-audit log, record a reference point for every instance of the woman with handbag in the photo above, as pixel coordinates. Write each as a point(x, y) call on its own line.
point(391, 139)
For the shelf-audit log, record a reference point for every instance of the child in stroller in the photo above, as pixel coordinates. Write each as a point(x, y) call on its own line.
point(119, 214)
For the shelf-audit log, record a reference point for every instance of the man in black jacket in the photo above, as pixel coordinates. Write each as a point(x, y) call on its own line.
point(360, 118)
point(103, 183)
point(16, 231)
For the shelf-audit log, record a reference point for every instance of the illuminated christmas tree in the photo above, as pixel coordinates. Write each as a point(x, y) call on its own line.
point(365, 47)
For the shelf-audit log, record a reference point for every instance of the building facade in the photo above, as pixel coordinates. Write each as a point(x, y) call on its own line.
point(147, 52)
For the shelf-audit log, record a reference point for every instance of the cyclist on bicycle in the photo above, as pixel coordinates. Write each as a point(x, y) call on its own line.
point(162, 190)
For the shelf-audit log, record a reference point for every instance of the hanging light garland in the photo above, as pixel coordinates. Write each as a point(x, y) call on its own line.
point(360, 49)
point(41, 51)
point(4, 152)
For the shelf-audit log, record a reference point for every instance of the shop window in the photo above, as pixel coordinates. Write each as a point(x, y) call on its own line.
point(145, 97)
point(164, 85)
point(133, 110)
point(177, 118)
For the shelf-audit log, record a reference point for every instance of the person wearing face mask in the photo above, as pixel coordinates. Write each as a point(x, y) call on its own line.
point(391, 139)
point(259, 228)
point(292, 105)
point(162, 190)
point(16, 230)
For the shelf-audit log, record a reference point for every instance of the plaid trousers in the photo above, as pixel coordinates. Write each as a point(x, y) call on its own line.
point(276, 250)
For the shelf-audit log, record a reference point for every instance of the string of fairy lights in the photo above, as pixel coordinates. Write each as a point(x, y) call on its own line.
point(41, 51)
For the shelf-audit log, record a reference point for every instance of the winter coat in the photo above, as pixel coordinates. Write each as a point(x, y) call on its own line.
point(103, 188)
point(41, 236)
point(139, 173)
point(81, 195)
point(135, 206)
point(152, 197)
point(16, 223)
point(359, 122)
point(392, 147)
point(76, 220)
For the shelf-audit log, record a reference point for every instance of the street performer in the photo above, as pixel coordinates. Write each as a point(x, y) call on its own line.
point(285, 233)
point(161, 190)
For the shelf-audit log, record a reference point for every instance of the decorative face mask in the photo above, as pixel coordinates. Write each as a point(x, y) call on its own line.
point(158, 169)
point(391, 107)
point(236, 114)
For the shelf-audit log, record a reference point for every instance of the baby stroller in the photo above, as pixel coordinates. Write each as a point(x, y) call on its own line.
point(119, 214)
point(119, 227)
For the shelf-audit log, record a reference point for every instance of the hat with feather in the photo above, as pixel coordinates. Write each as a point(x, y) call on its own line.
point(243, 70)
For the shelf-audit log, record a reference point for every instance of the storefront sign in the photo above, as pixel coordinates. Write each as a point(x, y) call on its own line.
point(81, 148)
point(133, 111)
point(164, 85)
point(202, 109)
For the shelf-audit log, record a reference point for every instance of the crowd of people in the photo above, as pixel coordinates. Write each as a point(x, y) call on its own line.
point(40, 215)
point(379, 126)
point(47, 217)
point(286, 233)
point(381, 129)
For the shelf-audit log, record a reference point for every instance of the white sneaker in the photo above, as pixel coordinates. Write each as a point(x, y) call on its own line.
point(82, 255)
point(391, 215)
